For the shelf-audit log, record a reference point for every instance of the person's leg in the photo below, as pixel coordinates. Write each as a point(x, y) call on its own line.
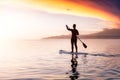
point(76, 45)
point(76, 48)
point(72, 47)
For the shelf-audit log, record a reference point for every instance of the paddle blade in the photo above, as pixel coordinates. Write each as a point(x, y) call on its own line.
point(85, 46)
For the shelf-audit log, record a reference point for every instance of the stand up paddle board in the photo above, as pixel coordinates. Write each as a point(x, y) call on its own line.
point(91, 54)
point(68, 52)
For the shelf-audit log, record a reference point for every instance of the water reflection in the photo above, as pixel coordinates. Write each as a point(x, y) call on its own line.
point(84, 59)
point(74, 63)
point(74, 73)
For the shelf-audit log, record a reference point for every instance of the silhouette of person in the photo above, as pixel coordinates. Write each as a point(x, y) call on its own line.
point(74, 37)
point(74, 64)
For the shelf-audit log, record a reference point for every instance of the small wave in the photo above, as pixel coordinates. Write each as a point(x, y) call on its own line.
point(112, 79)
point(106, 55)
point(112, 74)
point(92, 54)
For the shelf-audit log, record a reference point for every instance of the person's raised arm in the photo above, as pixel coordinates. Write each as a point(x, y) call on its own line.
point(68, 28)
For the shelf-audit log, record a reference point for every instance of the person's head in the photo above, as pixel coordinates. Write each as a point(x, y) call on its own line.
point(74, 26)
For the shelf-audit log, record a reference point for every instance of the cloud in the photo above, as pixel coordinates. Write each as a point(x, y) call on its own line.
point(103, 9)
point(116, 24)
point(111, 6)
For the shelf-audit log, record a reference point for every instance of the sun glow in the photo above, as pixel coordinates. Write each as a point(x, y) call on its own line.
point(21, 23)
point(10, 24)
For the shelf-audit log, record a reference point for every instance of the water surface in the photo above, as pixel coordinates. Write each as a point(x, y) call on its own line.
point(40, 60)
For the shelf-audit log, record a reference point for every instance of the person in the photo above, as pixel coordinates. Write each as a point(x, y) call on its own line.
point(74, 37)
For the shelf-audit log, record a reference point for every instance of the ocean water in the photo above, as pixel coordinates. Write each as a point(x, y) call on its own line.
point(41, 60)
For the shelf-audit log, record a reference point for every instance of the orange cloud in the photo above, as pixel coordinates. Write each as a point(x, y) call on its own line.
point(80, 8)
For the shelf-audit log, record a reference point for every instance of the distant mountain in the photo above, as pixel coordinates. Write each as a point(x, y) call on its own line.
point(105, 34)
point(58, 37)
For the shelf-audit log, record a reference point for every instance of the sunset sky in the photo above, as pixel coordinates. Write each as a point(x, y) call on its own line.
point(34, 19)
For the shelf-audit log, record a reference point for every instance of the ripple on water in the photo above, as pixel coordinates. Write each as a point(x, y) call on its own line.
point(111, 74)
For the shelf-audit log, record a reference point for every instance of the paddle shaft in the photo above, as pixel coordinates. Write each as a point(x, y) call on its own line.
point(84, 45)
point(79, 39)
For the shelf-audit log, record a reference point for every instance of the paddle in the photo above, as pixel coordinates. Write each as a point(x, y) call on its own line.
point(84, 45)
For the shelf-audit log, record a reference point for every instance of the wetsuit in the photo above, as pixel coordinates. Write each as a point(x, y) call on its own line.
point(74, 38)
